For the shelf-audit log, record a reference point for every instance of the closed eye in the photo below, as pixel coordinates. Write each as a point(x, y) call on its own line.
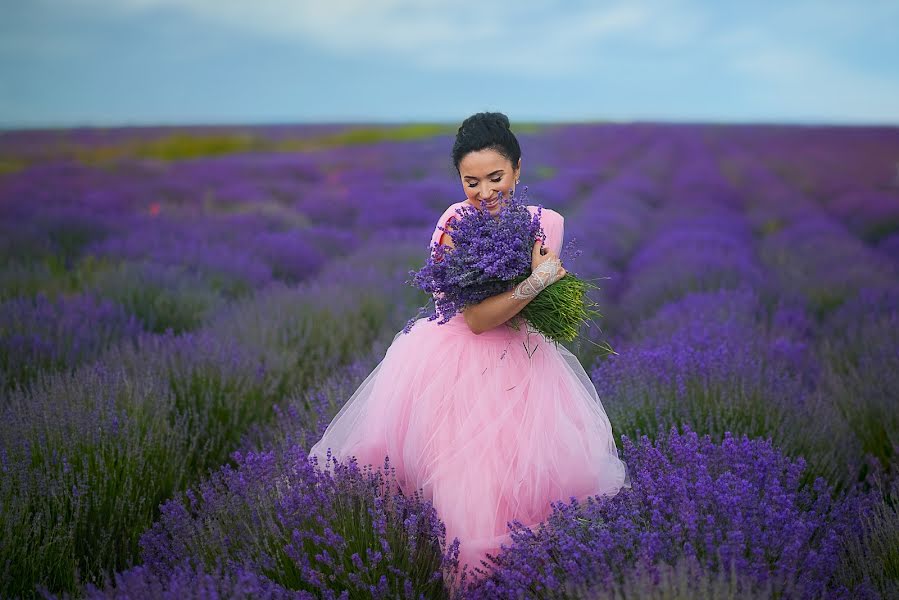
point(493, 180)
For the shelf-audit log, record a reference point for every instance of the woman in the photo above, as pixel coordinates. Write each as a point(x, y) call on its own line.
point(492, 426)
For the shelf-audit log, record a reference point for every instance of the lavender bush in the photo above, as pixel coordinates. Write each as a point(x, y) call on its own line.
point(711, 361)
point(41, 334)
point(343, 534)
point(28, 279)
point(303, 416)
point(697, 254)
point(161, 296)
point(187, 583)
point(818, 260)
point(873, 556)
point(216, 382)
point(684, 580)
point(86, 457)
point(20, 279)
point(858, 345)
point(737, 505)
point(228, 269)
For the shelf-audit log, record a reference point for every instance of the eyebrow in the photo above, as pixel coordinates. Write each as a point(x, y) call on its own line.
point(488, 174)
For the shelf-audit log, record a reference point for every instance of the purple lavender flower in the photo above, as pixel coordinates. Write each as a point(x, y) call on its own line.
point(305, 528)
point(189, 582)
point(859, 347)
point(489, 252)
point(711, 360)
point(738, 505)
point(38, 334)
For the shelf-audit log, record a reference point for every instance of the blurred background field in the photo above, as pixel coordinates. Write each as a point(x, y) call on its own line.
point(172, 296)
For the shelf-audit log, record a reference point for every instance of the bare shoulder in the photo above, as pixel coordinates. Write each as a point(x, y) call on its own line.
point(447, 240)
point(446, 221)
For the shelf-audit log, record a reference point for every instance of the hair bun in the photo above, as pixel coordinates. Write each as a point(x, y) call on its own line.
point(502, 120)
point(485, 120)
point(486, 130)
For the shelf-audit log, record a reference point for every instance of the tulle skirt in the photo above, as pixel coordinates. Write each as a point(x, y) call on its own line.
point(491, 427)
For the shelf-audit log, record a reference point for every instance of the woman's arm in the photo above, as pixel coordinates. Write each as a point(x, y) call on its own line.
point(546, 269)
point(493, 311)
point(498, 309)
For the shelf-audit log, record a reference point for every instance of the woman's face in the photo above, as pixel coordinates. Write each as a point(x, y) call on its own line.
point(485, 174)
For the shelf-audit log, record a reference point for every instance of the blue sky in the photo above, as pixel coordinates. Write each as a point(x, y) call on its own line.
point(145, 62)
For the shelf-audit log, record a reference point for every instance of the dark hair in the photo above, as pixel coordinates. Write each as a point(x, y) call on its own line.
point(486, 130)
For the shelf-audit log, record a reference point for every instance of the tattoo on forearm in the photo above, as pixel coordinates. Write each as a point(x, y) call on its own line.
point(543, 276)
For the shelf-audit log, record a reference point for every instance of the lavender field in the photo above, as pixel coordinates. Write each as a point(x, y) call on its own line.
point(184, 310)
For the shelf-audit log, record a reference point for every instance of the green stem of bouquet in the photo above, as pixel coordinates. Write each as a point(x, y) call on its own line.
point(559, 311)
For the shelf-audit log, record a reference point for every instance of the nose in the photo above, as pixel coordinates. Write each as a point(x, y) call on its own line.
point(486, 191)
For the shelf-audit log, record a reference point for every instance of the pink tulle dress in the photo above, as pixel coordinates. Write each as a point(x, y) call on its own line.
point(490, 429)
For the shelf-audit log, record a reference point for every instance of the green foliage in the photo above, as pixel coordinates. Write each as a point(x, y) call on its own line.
point(161, 297)
point(182, 146)
point(93, 454)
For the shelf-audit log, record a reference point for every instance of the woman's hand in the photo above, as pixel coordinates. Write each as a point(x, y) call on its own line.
point(546, 270)
point(540, 254)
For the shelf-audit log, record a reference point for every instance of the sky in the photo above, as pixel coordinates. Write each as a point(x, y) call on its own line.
point(75, 63)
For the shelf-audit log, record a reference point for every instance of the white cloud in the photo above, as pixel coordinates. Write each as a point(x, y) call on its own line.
point(801, 80)
point(554, 39)
point(783, 59)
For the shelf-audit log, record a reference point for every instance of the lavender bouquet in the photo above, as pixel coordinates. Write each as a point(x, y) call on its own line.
point(491, 255)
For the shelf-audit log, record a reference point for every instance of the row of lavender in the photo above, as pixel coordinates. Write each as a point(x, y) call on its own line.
point(718, 302)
